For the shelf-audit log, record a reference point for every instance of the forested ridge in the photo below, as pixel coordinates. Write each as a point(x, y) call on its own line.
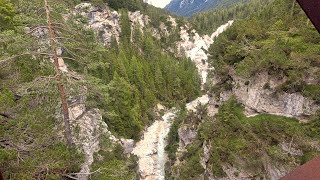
point(204, 22)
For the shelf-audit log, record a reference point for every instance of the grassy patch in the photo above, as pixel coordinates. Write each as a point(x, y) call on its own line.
point(312, 91)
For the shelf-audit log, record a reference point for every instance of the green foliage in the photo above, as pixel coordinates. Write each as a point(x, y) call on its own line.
point(124, 82)
point(277, 42)
point(245, 142)
point(30, 145)
point(112, 163)
point(145, 74)
point(7, 13)
point(173, 137)
point(124, 110)
point(143, 78)
point(131, 5)
point(6, 99)
point(313, 127)
point(312, 91)
point(125, 27)
point(206, 22)
point(97, 2)
point(191, 169)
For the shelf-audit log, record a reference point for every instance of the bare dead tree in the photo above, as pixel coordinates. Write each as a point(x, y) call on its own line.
point(61, 89)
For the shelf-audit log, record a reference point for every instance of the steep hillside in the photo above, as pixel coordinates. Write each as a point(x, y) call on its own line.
point(191, 7)
point(204, 22)
point(262, 119)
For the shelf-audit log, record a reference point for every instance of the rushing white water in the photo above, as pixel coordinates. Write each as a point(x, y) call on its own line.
point(195, 47)
point(151, 149)
point(161, 155)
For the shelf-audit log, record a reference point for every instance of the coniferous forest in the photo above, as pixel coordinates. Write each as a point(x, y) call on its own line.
point(73, 106)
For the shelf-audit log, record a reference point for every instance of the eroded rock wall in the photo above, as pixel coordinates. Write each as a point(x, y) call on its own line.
point(259, 95)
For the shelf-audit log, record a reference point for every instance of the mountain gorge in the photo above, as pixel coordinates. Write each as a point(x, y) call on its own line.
point(230, 93)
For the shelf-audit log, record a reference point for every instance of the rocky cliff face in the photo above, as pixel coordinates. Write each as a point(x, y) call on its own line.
point(106, 23)
point(89, 125)
point(259, 95)
point(88, 128)
point(195, 47)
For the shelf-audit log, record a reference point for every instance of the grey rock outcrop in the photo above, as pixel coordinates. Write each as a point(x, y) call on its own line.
point(206, 154)
point(106, 23)
point(274, 172)
point(186, 136)
point(128, 145)
point(258, 95)
point(103, 21)
point(87, 127)
point(195, 47)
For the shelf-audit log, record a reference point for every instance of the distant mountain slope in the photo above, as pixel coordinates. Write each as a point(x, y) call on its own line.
point(191, 7)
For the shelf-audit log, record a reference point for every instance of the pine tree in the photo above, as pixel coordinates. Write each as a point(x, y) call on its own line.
point(124, 108)
point(148, 47)
point(114, 44)
point(137, 36)
point(125, 27)
point(120, 64)
point(136, 74)
point(160, 84)
point(63, 97)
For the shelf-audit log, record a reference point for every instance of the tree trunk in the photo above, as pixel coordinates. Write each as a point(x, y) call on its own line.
point(58, 78)
point(1, 176)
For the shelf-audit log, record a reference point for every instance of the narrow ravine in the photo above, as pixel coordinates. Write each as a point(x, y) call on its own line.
point(151, 149)
point(161, 155)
